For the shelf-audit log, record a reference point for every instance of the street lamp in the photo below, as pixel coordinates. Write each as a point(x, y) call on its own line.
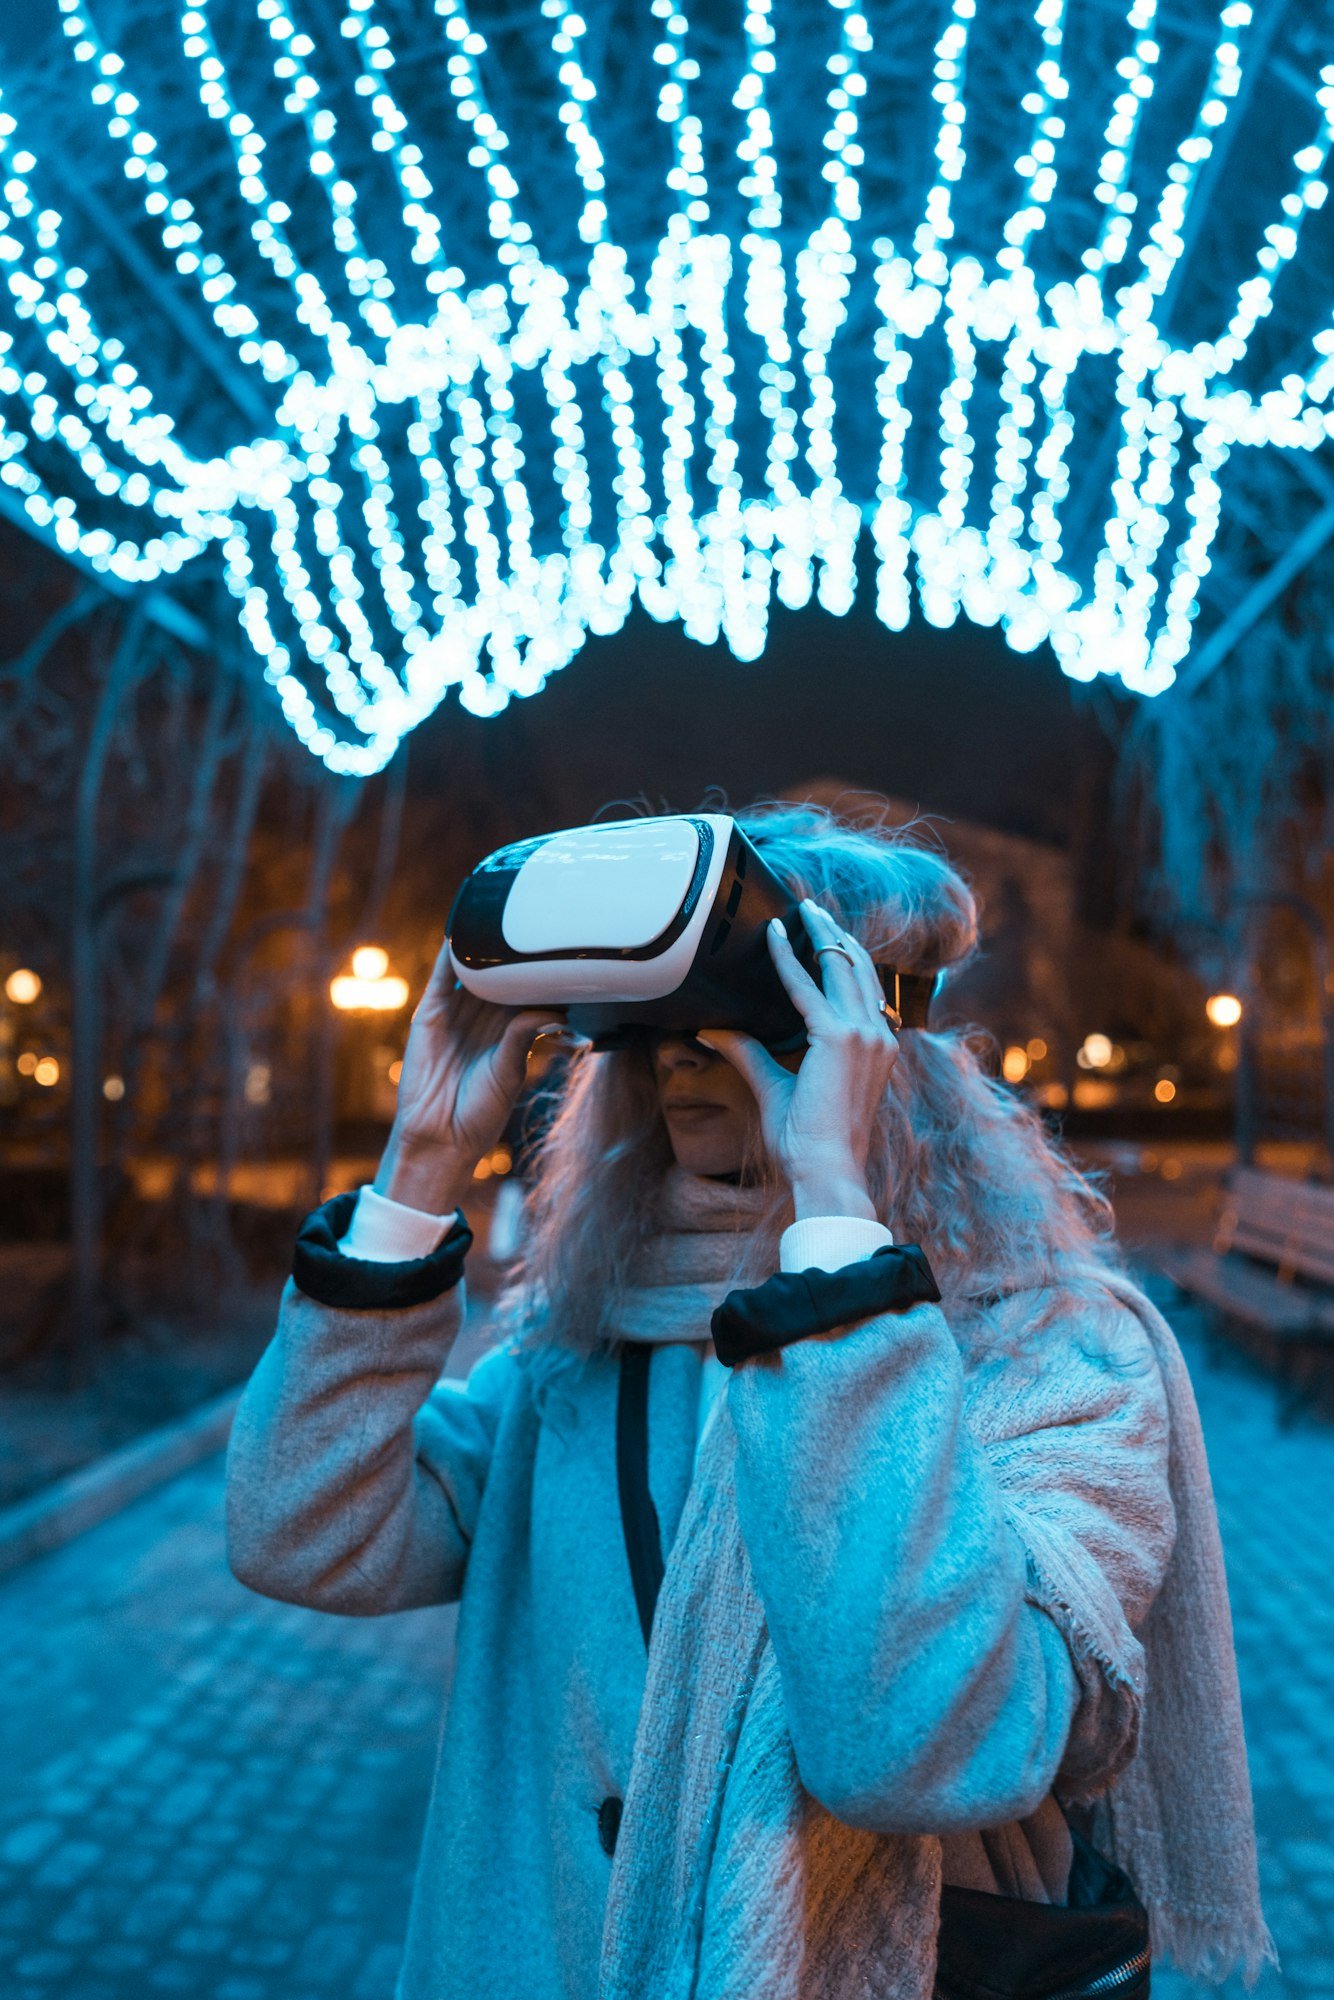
point(1096, 1052)
point(1223, 1009)
point(370, 987)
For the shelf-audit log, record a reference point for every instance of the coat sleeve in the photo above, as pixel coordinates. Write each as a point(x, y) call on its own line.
point(933, 1671)
point(354, 1475)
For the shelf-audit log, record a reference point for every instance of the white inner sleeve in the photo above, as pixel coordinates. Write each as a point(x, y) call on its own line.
point(828, 1242)
point(388, 1232)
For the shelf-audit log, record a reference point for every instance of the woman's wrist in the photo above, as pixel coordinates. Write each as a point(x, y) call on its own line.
point(837, 1188)
point(423, 1175)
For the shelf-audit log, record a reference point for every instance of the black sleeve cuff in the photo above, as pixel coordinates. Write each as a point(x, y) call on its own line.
point(793, 1304)
point(324, 1274)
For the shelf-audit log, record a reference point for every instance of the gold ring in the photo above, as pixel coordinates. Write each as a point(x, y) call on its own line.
point(836, 947)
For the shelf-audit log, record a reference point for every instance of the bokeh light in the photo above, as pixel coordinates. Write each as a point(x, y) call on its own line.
point(369, 961)
point(23, 986)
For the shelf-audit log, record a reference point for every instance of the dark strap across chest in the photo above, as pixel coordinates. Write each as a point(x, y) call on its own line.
point(639, 1516)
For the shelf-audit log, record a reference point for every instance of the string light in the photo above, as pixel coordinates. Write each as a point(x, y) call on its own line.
point(468, 471)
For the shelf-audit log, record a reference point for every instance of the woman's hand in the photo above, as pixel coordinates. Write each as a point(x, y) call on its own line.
point(463, 1069)
point(817, 1125)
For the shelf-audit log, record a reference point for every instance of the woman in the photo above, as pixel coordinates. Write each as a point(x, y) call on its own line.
point(940, 1556)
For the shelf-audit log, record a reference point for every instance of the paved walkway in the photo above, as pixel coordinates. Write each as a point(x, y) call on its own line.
point(205, 1794)
point(213, 1796)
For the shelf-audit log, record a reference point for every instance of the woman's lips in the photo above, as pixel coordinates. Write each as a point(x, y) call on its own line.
point(692, 1111)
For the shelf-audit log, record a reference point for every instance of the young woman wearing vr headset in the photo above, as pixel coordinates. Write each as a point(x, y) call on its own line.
point(842, 1609)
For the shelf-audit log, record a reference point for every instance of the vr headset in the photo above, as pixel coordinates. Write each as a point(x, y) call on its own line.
point(640, 928)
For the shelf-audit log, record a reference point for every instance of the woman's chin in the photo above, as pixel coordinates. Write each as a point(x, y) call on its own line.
point(704, 1159)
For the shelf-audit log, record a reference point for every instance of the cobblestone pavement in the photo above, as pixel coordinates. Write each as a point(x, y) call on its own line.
point(205, 1794)
point(213, 1796)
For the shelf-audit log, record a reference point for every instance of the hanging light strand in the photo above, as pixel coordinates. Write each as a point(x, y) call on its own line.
point(469, 470)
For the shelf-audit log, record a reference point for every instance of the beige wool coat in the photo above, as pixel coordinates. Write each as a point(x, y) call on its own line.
point(909, 1587)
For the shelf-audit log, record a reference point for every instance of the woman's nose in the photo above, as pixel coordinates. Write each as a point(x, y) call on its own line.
point(681, 1052)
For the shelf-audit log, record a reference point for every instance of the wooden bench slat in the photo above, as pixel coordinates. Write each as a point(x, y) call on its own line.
point(1258, 1181)
point(1259, 1242)
point(1318, 1266)
point(1239, 1289)
point(1305, 1260)
point(1289, 1224)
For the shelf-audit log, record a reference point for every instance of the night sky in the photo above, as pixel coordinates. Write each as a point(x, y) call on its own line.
point(953, 722)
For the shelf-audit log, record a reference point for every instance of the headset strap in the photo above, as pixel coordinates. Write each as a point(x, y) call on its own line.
point(909, 994)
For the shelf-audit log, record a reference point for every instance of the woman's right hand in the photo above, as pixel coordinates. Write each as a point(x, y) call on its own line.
point(463, 1069)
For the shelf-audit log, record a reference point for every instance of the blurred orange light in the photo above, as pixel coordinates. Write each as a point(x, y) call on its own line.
point(370, 962)
point(1096, 1052)
point(1164, 1090)
point(1223, 1009)
point(371, 996)
point(46, 1071)
point(395, 1071)
point(1037, 1049)
point(1014, 1064)
point(26, 1063)
point(1094, 1093)
point(22, 986)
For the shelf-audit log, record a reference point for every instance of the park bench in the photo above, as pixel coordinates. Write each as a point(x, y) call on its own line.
point(1270, 1270)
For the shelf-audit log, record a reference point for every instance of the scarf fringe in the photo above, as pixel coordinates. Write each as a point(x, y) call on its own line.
point(1211, 1945)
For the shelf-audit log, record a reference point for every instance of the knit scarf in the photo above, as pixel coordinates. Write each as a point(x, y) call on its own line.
point(729, 1881)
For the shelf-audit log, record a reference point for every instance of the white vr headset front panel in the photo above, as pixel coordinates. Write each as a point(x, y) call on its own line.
point(605, 888)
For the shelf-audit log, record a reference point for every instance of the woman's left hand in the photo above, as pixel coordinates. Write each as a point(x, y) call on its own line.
point(817, 1124)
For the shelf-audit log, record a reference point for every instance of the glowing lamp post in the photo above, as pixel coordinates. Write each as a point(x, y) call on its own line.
point(21, 988)
point(1223, 1009)
point(370, 987)
point(1096, 1052)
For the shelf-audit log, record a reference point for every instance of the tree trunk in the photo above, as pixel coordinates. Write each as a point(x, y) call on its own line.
point(386, 853)
point(337, 801)
point(188, 850)
point(86, 1004)
point(207, 1038)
